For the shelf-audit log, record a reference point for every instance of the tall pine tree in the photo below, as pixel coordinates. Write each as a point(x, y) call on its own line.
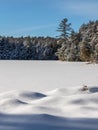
point(64, 28)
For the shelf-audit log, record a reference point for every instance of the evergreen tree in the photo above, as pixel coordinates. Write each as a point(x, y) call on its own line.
point(64, 28)
point(85, 51)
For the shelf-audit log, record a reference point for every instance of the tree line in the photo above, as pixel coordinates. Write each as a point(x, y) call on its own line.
point(28, 48)
point(78, 46)
point(68, 46)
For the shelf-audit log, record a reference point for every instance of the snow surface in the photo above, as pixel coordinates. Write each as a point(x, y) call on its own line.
point(47, 95)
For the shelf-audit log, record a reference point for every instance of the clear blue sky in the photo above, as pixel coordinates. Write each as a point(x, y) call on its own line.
point(42, 17)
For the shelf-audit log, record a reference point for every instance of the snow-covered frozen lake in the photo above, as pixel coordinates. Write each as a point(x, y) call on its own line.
point(46, 75)
point(47, 95)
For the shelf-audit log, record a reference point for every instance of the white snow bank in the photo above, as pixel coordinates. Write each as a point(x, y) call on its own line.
point(48, 95)
point(70, 102)
point(76, 110)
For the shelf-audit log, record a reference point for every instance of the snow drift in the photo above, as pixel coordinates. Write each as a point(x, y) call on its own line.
point(58, 102)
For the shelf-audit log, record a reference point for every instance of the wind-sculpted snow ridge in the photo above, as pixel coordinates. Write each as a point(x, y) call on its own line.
point(60, 109)
point(65, 102)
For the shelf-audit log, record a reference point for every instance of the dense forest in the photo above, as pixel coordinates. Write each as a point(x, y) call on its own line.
point(28, 48)
point(69, 46)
